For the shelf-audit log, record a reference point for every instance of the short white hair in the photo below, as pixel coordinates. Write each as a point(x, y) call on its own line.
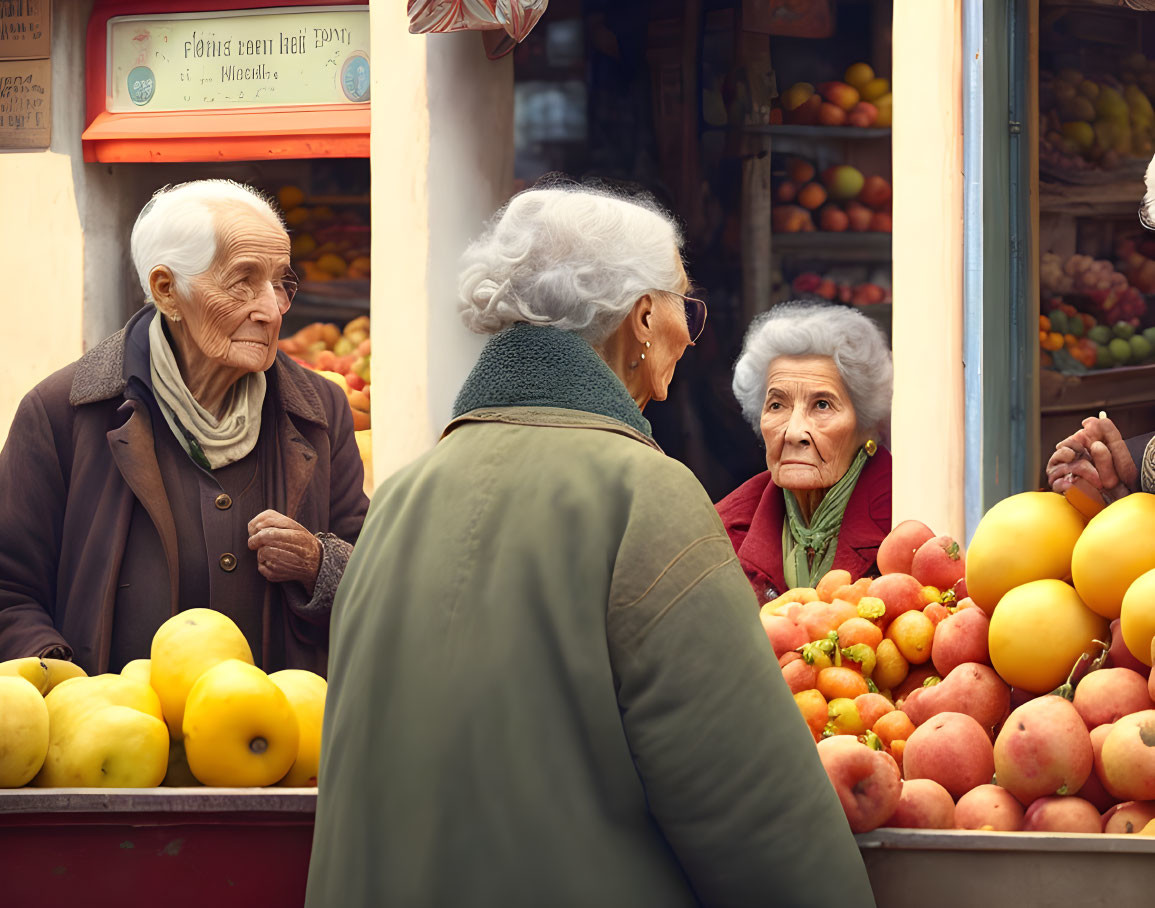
point(855, 343)
point(177, 228)
point(568, 256)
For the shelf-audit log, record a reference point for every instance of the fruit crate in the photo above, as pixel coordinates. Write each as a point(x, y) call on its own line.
point(962, 869)
point(175, 846)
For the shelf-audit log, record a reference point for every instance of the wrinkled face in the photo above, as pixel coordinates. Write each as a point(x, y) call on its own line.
point(670, 337)
point(808, 423)
point(234, 314)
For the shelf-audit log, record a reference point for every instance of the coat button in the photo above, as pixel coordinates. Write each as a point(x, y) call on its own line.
point(228, 561)
point(223, 502)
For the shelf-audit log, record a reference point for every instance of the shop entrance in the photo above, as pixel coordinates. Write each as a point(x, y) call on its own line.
point(741, 121)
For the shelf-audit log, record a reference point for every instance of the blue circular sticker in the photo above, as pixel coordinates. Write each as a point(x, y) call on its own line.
point(141, 85)
point(355, 78)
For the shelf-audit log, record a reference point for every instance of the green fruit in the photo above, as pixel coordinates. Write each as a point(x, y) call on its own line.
point(1075, 326)
point(1101, 335)
point(1103, 357)
point(1058, 320)
point(1120, 349)
point(1140, 347)
point(1123, 330)
point(1149, 333)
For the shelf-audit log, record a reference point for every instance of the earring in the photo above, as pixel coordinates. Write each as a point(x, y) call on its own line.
point(871, 447)
point(647, 347)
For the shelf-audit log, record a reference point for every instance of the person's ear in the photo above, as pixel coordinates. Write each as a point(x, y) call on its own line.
point(162, 288)
point(641, 318)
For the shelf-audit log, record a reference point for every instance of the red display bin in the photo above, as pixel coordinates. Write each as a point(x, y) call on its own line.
point(170, 847)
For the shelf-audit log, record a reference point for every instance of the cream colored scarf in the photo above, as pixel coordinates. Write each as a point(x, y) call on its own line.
point(210, 442)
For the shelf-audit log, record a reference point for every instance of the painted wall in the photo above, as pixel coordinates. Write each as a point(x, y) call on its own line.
point(927, 420)
point(442, 153)
point(41, 240)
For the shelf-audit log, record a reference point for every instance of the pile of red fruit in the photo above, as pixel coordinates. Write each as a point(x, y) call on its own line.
point(858, 293)
point(841, 199)
point(931, 711)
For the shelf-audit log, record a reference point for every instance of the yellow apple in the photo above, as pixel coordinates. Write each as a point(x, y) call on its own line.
point(23, 731)
point(61, 670)
point(115, 747)
point(90, 746)
point(239, 727)
point(138, 670)
point(32, 669)
point(184, 648)
point(306, 693)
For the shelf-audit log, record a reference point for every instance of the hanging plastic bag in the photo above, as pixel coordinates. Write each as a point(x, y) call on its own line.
point(516, 17)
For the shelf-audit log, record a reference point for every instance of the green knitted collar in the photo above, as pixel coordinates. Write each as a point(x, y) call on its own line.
point(538, 366)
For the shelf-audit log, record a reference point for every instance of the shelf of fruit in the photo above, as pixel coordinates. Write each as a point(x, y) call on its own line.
point(840, 213)
point(819, 132)
point(1094, 129)
point(861, 101)
point(344, 357)
point(854, 286)
point(955, 667)
point(329, 244)
point(1093, 314)
point(196, 712)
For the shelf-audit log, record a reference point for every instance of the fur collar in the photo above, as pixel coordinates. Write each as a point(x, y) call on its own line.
point(538, 366)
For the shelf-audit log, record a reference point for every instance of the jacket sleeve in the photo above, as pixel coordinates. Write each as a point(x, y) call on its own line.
point(347, 506)
point(33, 490)
point(730, 769)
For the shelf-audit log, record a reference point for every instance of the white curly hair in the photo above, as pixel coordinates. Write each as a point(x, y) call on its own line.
point(569, 256)
point(855, 343)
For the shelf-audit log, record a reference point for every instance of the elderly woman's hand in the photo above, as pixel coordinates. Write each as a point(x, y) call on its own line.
point(285, 549)
point(1098, 454)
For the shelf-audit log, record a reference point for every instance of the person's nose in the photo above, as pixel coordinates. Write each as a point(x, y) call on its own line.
point(266, 306)
point(798, 427)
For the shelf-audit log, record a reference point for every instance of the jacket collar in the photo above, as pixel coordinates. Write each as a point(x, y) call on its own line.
point(542, 367)
point(101, 374)
point(864, 526)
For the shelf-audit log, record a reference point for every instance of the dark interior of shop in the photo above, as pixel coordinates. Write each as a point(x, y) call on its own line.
point(660, 97)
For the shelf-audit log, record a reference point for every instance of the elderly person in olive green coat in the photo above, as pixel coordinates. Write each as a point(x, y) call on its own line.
point(548, 683)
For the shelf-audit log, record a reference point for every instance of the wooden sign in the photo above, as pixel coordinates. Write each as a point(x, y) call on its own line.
point(25, 104)
point(24, 29)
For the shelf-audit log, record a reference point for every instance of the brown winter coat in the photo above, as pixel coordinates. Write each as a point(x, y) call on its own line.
point(81, 449)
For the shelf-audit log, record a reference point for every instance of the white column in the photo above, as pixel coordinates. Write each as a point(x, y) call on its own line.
point(927, 437)
point(442, 162)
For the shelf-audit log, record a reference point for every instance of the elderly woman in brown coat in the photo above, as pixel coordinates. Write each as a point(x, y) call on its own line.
point(182, 462)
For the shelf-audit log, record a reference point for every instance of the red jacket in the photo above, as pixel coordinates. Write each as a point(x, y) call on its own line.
point(753, 514)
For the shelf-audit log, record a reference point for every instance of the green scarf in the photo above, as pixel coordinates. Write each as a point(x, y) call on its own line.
point(820, 537)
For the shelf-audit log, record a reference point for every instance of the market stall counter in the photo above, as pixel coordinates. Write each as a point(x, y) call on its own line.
point(964, 869)
point(140, 846)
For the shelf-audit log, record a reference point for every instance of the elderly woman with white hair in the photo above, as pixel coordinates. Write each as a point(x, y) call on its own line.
point(182, 462)
point(815, 382)
point(572, 700)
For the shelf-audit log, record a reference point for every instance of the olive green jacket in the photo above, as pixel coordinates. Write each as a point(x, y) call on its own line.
point(548, 684)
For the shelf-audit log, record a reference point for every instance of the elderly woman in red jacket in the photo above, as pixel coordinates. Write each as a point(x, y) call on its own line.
point(815, 381)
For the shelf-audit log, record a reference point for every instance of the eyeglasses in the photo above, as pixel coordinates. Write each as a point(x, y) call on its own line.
point(695, 313)
point(284, 289)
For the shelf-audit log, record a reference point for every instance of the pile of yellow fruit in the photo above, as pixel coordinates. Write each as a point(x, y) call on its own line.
point(326, 244)
point(196, 712)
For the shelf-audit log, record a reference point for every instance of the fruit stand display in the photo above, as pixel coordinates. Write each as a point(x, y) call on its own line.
point(831, 212)
point(1003, 689)
point(194, 734)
